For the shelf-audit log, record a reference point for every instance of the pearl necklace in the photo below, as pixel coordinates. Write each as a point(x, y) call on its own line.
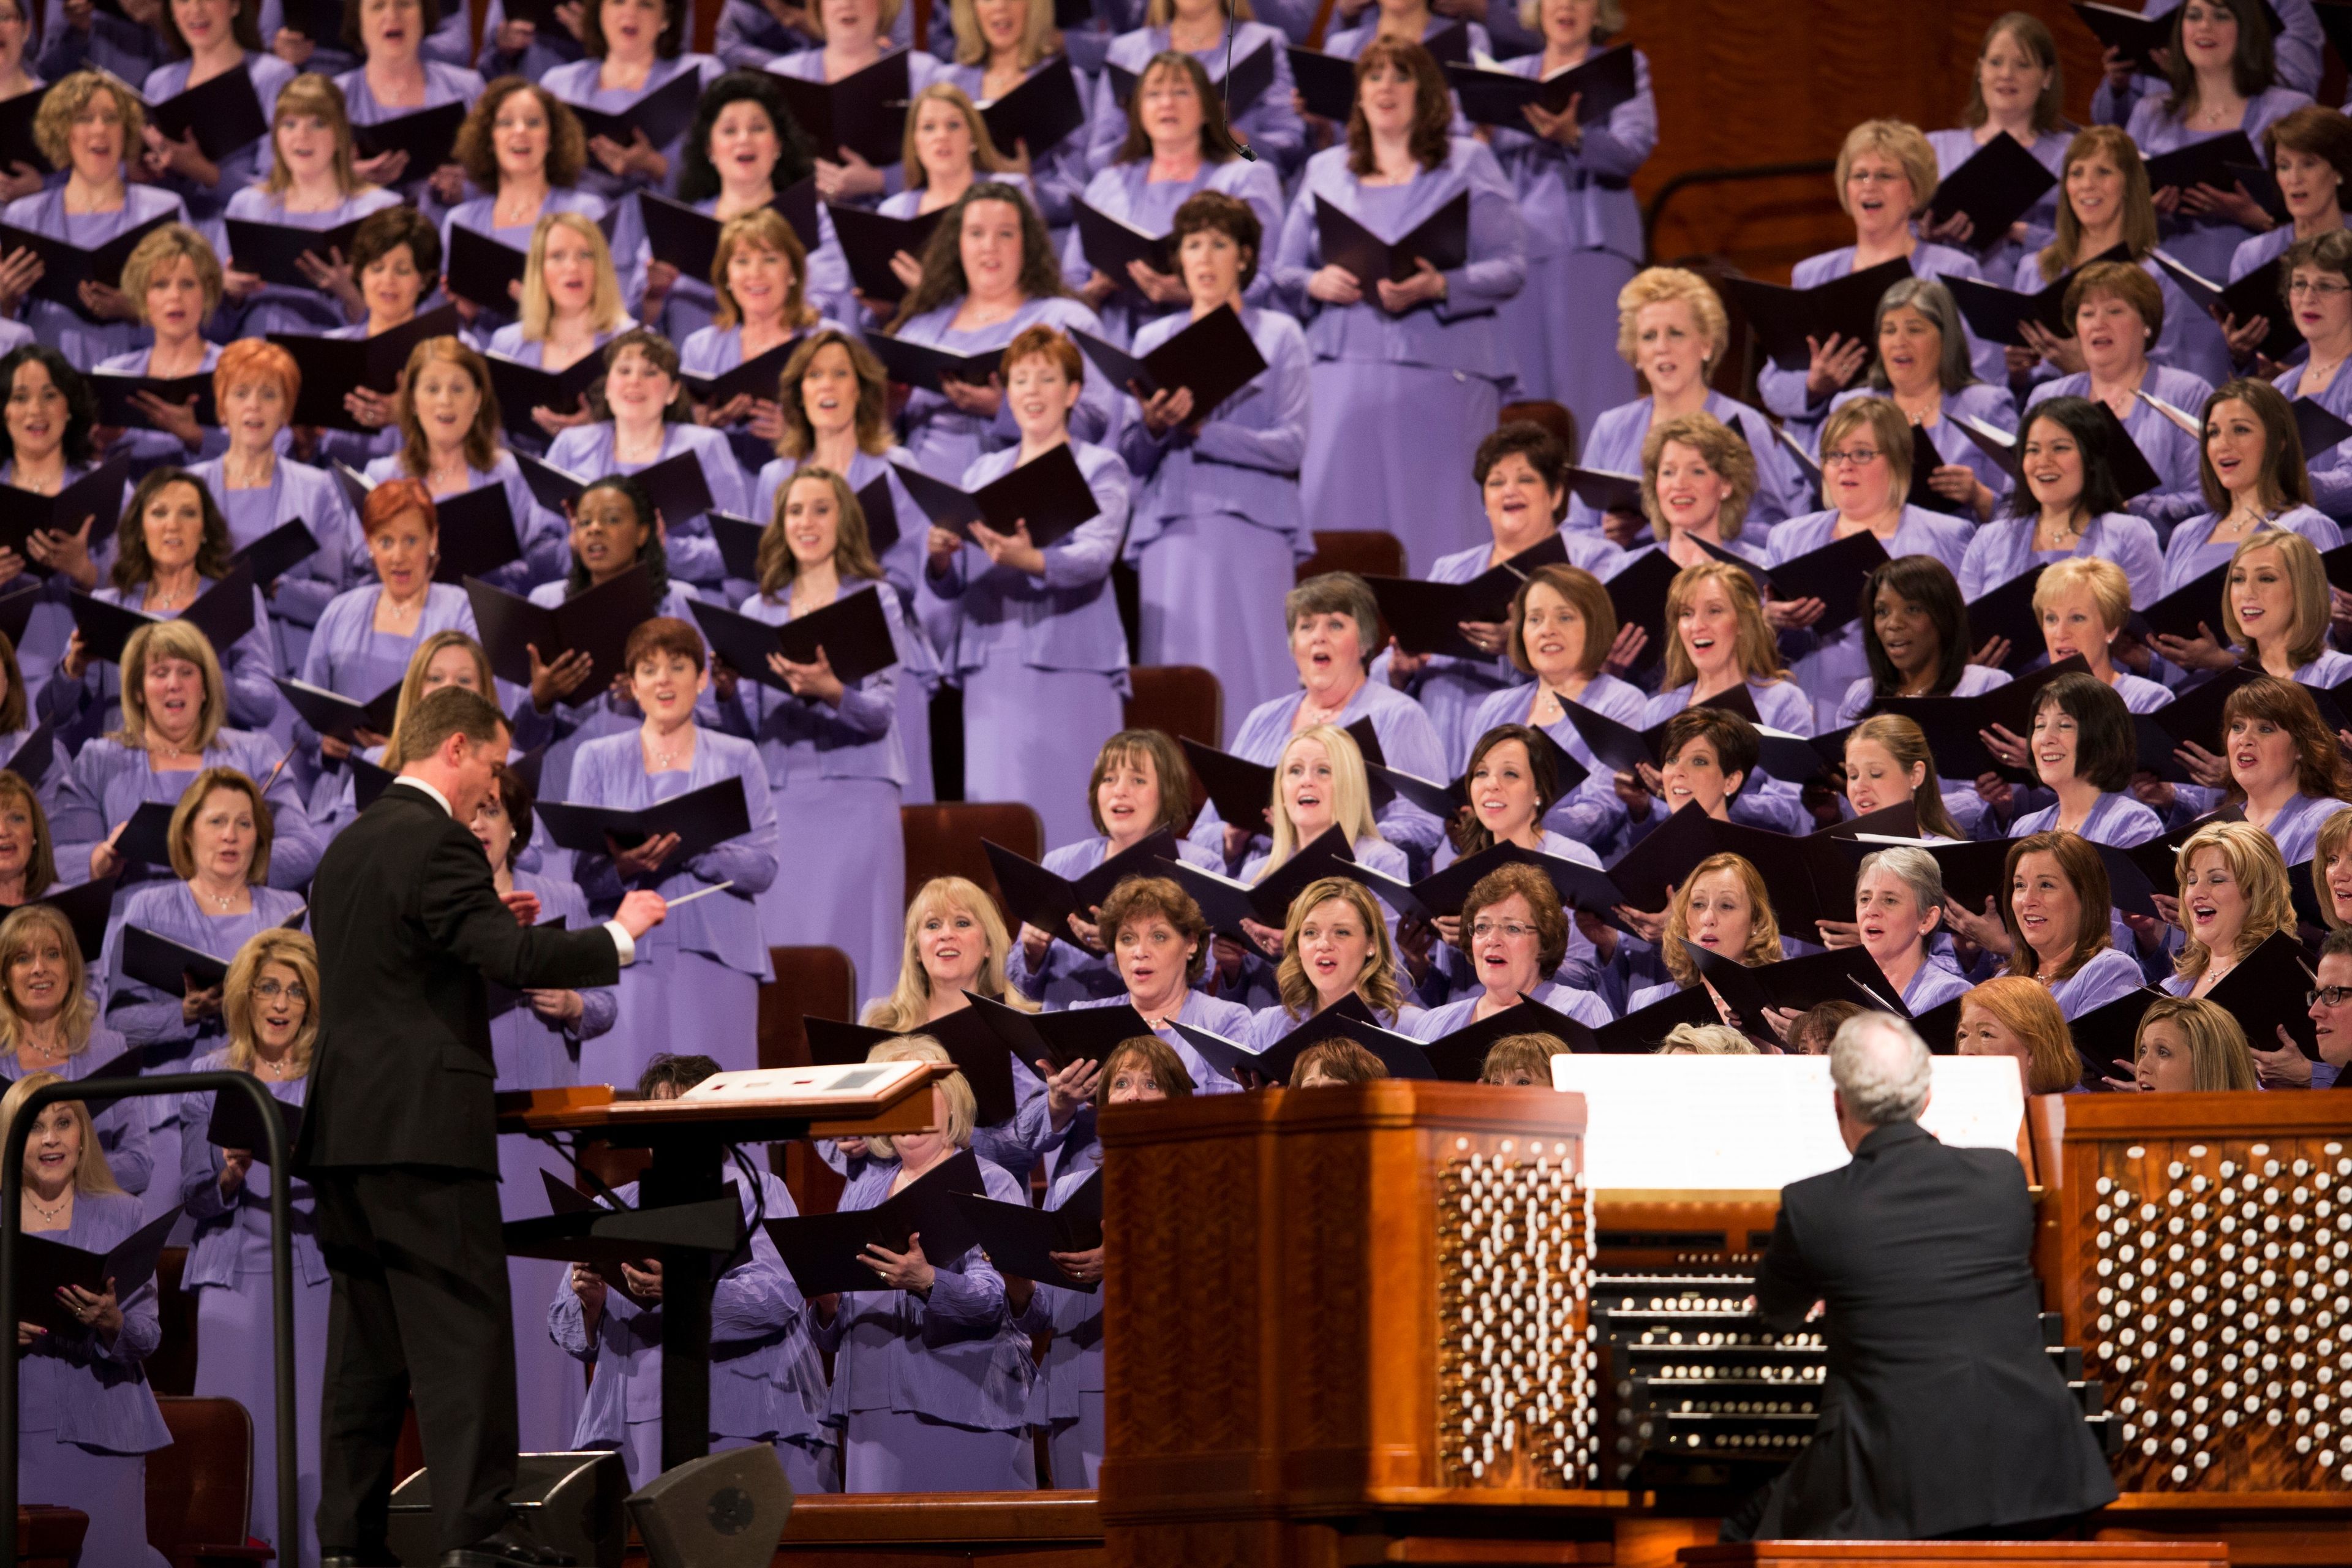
point(264, 1067)
point(662, 759)
point(221, 902)
point(45, 1211)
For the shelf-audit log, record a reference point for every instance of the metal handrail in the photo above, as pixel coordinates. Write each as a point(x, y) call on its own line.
point(281, 1271)
point(1728, 174)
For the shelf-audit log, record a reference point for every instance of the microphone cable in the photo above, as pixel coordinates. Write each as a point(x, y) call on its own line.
point(1226, 90)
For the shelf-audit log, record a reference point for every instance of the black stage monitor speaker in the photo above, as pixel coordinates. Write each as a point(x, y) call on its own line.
point(572, 1501)
point(726, 1510)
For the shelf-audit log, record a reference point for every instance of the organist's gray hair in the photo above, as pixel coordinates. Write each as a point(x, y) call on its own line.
point(1881, 1067)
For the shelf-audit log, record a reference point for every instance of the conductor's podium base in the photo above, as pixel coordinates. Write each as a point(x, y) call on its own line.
point(1958, 1554)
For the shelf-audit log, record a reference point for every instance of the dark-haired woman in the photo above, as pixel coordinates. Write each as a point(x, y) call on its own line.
point(2065, 506)
point(1922, 367)
point(208, 38)
point(523, 147)
point(634, 47)
point(2250, 471)
point(1212, 31)
point(48, 421)
point(1407, 376)
point(2315, 279)
point(403, 75)
point(2286, 771)
point(1217, 525)
point(2084, 749)
point(1175, 146)
point(1915, 637)
point(988, 274)
point(396, 262)
point(2309, 151)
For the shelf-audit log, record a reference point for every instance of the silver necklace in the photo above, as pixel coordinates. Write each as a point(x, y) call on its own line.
point(45, 1211)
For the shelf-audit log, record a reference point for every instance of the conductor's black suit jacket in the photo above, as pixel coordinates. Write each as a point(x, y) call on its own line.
point(410, 929)
point(1942, 1413)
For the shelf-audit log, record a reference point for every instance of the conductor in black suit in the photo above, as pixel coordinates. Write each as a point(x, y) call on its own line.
point(1943, 1416)
point(399, 1144)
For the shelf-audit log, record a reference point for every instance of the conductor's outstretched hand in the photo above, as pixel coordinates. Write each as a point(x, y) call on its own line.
point(641, 912)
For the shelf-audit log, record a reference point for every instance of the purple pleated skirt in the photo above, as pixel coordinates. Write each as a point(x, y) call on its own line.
point(110, 1487)
point(1032, 735)
point(677, 1001)
point(236, 1359)
point(895, 1451)
point(915, 739)
point(1210, 593)
point(845, 884)
point(1391, 450)
point(1564, 323)
point(549, 1387)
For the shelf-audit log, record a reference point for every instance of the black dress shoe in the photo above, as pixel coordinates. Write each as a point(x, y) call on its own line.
point(512, 1543)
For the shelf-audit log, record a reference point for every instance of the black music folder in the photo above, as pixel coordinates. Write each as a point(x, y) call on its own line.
point(2107, 1036)
point(1326, 82)
point(34, 755)
point(966, 1037)
point(1240, 789)
point(116, 389)
point(1050, 493)
point(864, 111)
point(738, 539)
point(1637, 592)
point(171, 967)
point(1111, 242)
point(87, 908)
point(2255, 294)
point(2265, 992)
point(1427, 617)
point(662, 114)
point(1847, 307)
point(1443, 893)
point(45, 1266)
point(2319, 429)
point(1226, 902)
point(235, 1124)
point(225, 113)
point(702, 819)
point(597, 622)
point(1998, 184)
point(852, 630)
point(521, 388)
point(18, 144)
point(1039, 113)
point(2008, 611)
point(478, 533)
point(1835, 574)
point(1441, 240)
point(688, 238)
point(95, 495)
point(762, 375)
point(1951, 724)
point(869, 241)
point(2133, 36)
point(1836, 974)
point(274, 251)
point(2202, 163)
point(1348, 1018)
point(332, 713)
point(1021, 1241)
point(222, 612)
point(66, 267)
point(1605, 490)
point(1070, 1035)
point(483, 270)
point(1047, 900)
point(1603, 82)
point(276, 552)
point(1461, 1057)
point(919, 365)
point(1999, 315)
point(1925, 460)
point(2194, 603)
point(1639, 1033)
point(429, 137)
point(332, 366)
point(1626, 749)
point(146, 835)
point(822, 1251)
point(2134, 474)
point(1215, 357)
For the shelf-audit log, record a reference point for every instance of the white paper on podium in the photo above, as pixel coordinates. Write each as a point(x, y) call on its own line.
point(1756, 1124)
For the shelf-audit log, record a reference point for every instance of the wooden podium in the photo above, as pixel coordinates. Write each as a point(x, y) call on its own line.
point(1344, 1303)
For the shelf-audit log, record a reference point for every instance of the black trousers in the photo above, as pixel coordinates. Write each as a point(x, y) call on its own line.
point(419, 1309)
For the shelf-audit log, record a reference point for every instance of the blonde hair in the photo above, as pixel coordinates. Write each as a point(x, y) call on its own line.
point(1887, 425)
point(162, 248)
point(884, 12)
point(1663, 285)
point(2110, 590)
point(985, 158)
point(606, 313)
point(2305, 576)
point(955, 1089)
point(853, 550)
point(1529, 1054)
point(2218, 1055)
point(170, 640)
point(311, 93)
point(2255, 864)
point(1706, 1040)
point(908, 1005)
point(81, 1009)
point(2334, 834)
point(1377, 984)
point(1039, 38)
point(53, 121)
point(1756, 648)
point(412, 684)
point(1763, 925)
point(2026, 1009)
point(297, 953)
point(1906, 744)
point(1351, 793)
point(41, 864)
point(90, 1172)
point(1893, 139)
point(1723, 448)
point(192, 801)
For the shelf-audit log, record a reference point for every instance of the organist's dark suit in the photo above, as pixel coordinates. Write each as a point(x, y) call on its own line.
point(1943, 1415)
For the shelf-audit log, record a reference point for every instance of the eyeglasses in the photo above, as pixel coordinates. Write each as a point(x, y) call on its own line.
point(1857, 456)
point(1875, 177)
point(2332, 995)
point(270, 990)
point(1510, 930)
point(2318, 287)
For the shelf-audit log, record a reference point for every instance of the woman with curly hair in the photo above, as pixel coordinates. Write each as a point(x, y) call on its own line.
point(1335, 944)
point(524, 147)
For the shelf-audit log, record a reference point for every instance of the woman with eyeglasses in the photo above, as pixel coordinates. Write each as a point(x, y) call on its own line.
point(50, 1023)
point(1513, 934)
point(1922, 367)
point(2317, 278)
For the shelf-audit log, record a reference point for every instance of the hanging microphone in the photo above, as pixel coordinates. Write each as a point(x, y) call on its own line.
point(1225, 91)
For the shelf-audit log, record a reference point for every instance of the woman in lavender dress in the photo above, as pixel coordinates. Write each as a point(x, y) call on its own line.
point(89, 125)
point(49, 1024)
point(85, 1419)
point(652, 421)
point(759, 269)
point(989, 275)
point(2064, 508)
point(402, 77)
point(207, 39)
point(1922, 367)
point(2309, 151)
point(48, 430)
point(853, 36)
point(1335, 944)
point(571, 307)
point(1217, 527)
point(1036, 634)
point(1699, 485)
point(175, 282)
point(2250, 471)
point(257, 385)
point(1722, 905)
point(172, 545)
point(1514, 934)
point(446, 416)
point(1898, 897)
point(931, 1377)
point(1584, 228)
point(1522, 473)
point(767, 1385)
point(998, 48)
point(1886, 178)
point(1865, 472)
point(2018, 92)
point(947, 152)
point(1408, 377)
point(270, 1007)
point(2285, 774)
point(2316, 274)
point(535, 1038)
point(311, 185)
point(1212, 31)
point(524, 148)
point(2056, 923)
point(834, 407)
point(2222, 74)
point(634, 49)
point(700, 979)
point(2083, 749)
point(174, 724)
point(445, 659)
point(396, 262)
point(1671, 326)
point(1403, 22)
point(831, 749)
point(1175, 148)
point(1915, 637)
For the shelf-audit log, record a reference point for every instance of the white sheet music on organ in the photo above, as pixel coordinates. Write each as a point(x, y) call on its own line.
point(1751, 1123)
point(797, 1086)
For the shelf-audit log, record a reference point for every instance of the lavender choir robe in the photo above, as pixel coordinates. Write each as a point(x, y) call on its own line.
point(708, 350)
point(2205, 246)
point(109, 43)
point(122, 1126)
point(108, 781)
point(446, 81)
point(208, 205)
point(85, 1418)
point(1931, 986)
point(767, 1384)
point(1402, 402)
point(2295, 827)
point(1269, 1025)
point(1590, 814)
point(1270, 124)
point(837, 773)
point(1614, 442)
point(1408, 740)
point(576, 83)
point(687, 310)
point(1127, 192)
point(943, 440)
point(1584, 244)
point(1067, 1401)
point(1042, 660)
point(931, 1391)
point(480, 215)
point(510, 343)
point(1986, 404)
point(296, 492)
point(2116, 820)
point(807, 64)
point(1784, 392)
point(2190, 342)
point(698, 974)
point(2108, 976)
point(86, 342)
point(1217, 529)
point(2296, 51)
point(1199, 1010)
point(2002, 550)
point(2330, 471)
point(1958, 145)
point(587, 450)
point(227, 1271)
point(149, 449)
point(85, 708)
point(1069, 975)
point(275, 307)
point(1826, 666)
point(543, 534)
point(2171, 451)
point(1581, 1005)
point(1056, 174)
point(2189, 554)
point(588, 714)
point(2263, 249)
